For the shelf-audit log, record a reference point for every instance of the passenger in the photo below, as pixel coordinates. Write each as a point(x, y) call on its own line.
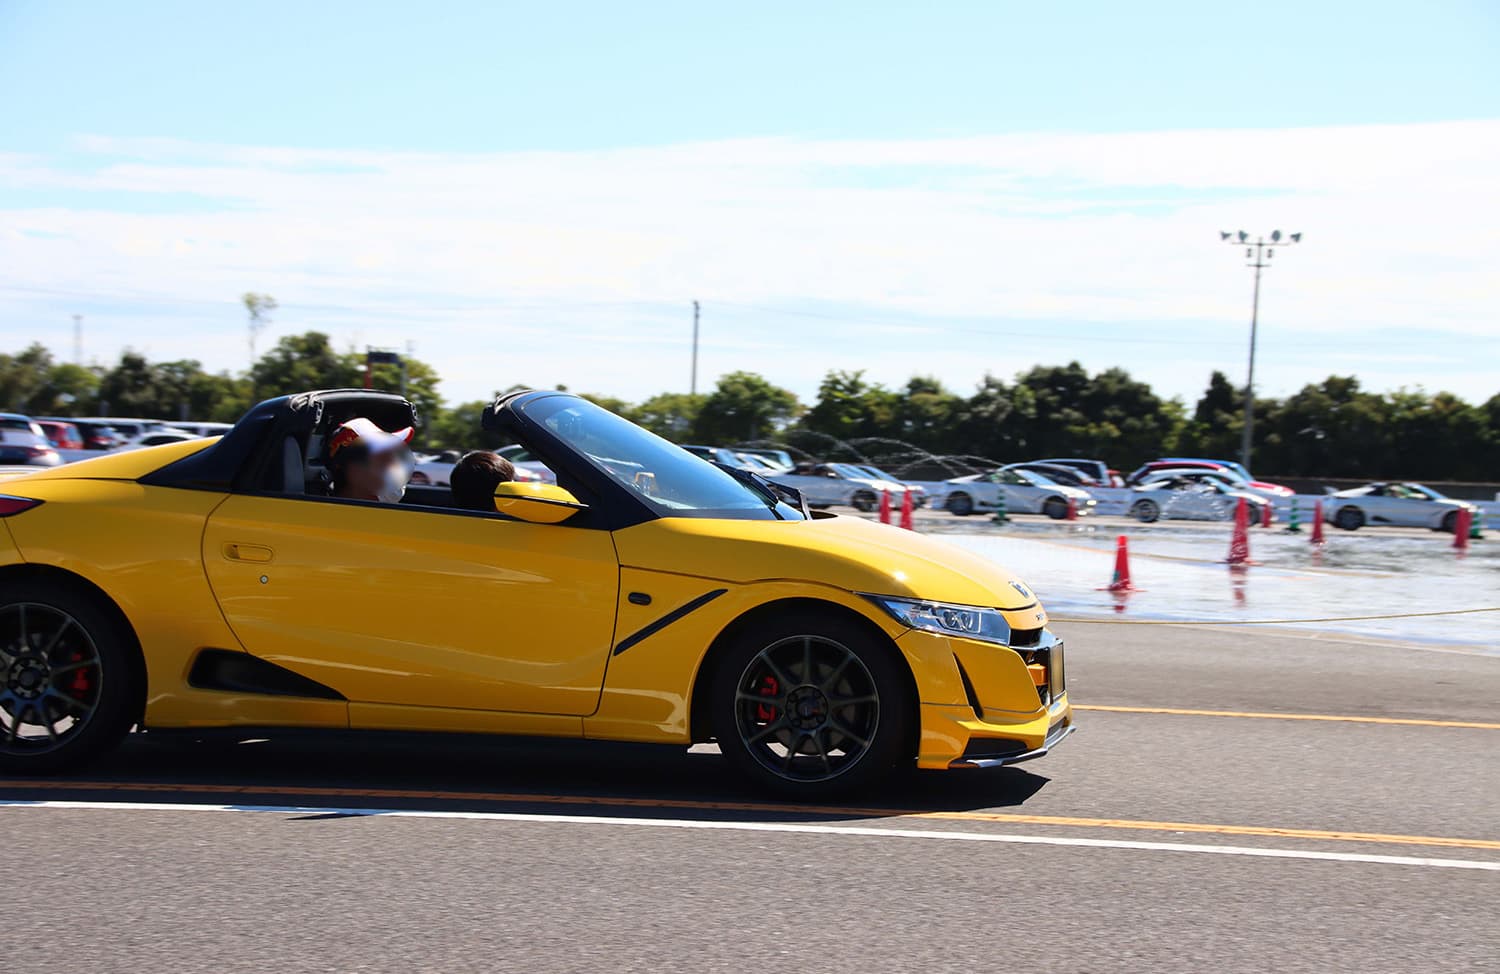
point(369, 464)
point(475, 477)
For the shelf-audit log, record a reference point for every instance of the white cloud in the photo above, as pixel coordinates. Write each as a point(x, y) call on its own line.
point(579, 266)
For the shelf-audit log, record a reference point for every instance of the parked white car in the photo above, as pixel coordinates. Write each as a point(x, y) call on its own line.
point(434, 469)
point(155, 438)
point(1025, 492)
point(1189, 499)
point(830, 484)
point(1394, 504)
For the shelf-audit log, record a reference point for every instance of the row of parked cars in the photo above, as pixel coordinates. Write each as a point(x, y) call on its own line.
point(1184, 488)
point(1191, 488)
point(47, 441)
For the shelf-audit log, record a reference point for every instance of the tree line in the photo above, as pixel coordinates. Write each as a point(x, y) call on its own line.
point(1333, 428)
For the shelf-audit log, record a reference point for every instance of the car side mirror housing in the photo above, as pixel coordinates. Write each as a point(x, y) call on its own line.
point(536, 502)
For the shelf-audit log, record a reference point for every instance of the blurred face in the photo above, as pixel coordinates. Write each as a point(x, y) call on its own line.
point(375, 475)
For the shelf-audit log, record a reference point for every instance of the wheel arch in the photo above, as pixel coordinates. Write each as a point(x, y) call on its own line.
point(699, 721)
point(62, 577)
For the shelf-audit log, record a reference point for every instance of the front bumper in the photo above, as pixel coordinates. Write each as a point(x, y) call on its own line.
point(1004, 705)
point(1000, 759)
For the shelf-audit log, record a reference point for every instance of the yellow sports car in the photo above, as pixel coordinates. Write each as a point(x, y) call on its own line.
point(649, 595)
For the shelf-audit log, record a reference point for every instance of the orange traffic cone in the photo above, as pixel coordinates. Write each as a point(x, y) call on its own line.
point(1121, 581)
point(1461, 527)
point(1265, 516)
point(1317, 525)
point(1239, 542)
point(885, 507)
point(1072, 509)
point(906, 510)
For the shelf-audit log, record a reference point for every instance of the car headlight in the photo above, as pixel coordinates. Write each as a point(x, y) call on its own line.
point(968, 621)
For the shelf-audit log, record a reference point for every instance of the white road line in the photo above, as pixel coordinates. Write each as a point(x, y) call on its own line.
point(786, 827)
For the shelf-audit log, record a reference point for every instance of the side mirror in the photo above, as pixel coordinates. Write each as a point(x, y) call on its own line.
point(536, 502)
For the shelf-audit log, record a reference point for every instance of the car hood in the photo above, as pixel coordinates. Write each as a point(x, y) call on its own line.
point(845, 552)
point(1262, 485)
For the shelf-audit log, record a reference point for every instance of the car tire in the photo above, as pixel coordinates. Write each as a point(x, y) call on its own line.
point(800, 742)
point(1349, 518)
point(1146, 511)
point(1450, 522)
point(68, 686)
point(959, 504)
point(1056, 508)
point(864, 501)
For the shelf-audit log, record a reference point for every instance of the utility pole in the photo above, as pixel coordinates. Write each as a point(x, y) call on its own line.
point(1259, 254)
point(78, 339)
point(693, 385)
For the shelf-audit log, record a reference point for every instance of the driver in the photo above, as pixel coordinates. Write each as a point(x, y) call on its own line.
point(369, 464)
point(475, 477)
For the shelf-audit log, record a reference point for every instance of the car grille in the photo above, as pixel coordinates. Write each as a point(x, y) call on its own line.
point(1021, 638)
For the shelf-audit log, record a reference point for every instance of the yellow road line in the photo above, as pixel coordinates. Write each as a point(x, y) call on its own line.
point(1255, 715)
point(679, 804)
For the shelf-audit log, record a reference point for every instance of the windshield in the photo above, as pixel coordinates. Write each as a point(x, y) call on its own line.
point(849, 471)
point(1035, 479)
point(672, 481)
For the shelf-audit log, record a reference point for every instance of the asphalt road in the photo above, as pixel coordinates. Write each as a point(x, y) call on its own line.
point(1163, 841)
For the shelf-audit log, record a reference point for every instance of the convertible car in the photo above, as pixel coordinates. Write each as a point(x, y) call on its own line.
point(646, 596)
point(1394, 504)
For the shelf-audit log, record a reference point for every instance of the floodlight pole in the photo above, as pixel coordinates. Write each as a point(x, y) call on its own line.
point(1260, 252)
point(1247, 435)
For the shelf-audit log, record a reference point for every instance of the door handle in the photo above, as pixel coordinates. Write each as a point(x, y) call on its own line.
point(234, 551)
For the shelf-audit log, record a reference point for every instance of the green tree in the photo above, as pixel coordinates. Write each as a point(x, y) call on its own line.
point(258, 308)
point(24, 376)
point(298, 363)
point(1214, 429)
point(848, 407)
point(744, 406)
point(1332, 428)
point(670, 414)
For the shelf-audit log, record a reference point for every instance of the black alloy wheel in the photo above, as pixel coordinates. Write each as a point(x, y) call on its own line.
point(65, 684)
point(811, 707)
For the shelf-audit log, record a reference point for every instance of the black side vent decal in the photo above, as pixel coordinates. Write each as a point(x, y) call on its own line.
point(236, 672)
point(653, 628)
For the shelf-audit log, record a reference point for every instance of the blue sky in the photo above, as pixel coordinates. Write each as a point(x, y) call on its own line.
point(538, 192)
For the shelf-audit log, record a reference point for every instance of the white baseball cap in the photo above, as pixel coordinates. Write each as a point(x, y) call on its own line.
point(363, 434)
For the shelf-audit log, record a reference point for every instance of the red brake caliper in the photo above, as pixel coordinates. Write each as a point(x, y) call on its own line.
point(768, 688)
point(80, 684)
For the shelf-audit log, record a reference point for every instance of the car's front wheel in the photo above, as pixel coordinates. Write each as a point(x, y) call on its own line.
point(864, 501)
point(1145, 511)
point(811, 706)
point(960, 504)
point(1350, 518)
point(1450, 522)
point(66, 683)
point(1056, 508)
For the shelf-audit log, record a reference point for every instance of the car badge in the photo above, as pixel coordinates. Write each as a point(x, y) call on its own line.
point(1020, 588)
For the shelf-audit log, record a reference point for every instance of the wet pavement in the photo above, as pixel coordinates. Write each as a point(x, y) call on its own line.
point(1180, 575)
